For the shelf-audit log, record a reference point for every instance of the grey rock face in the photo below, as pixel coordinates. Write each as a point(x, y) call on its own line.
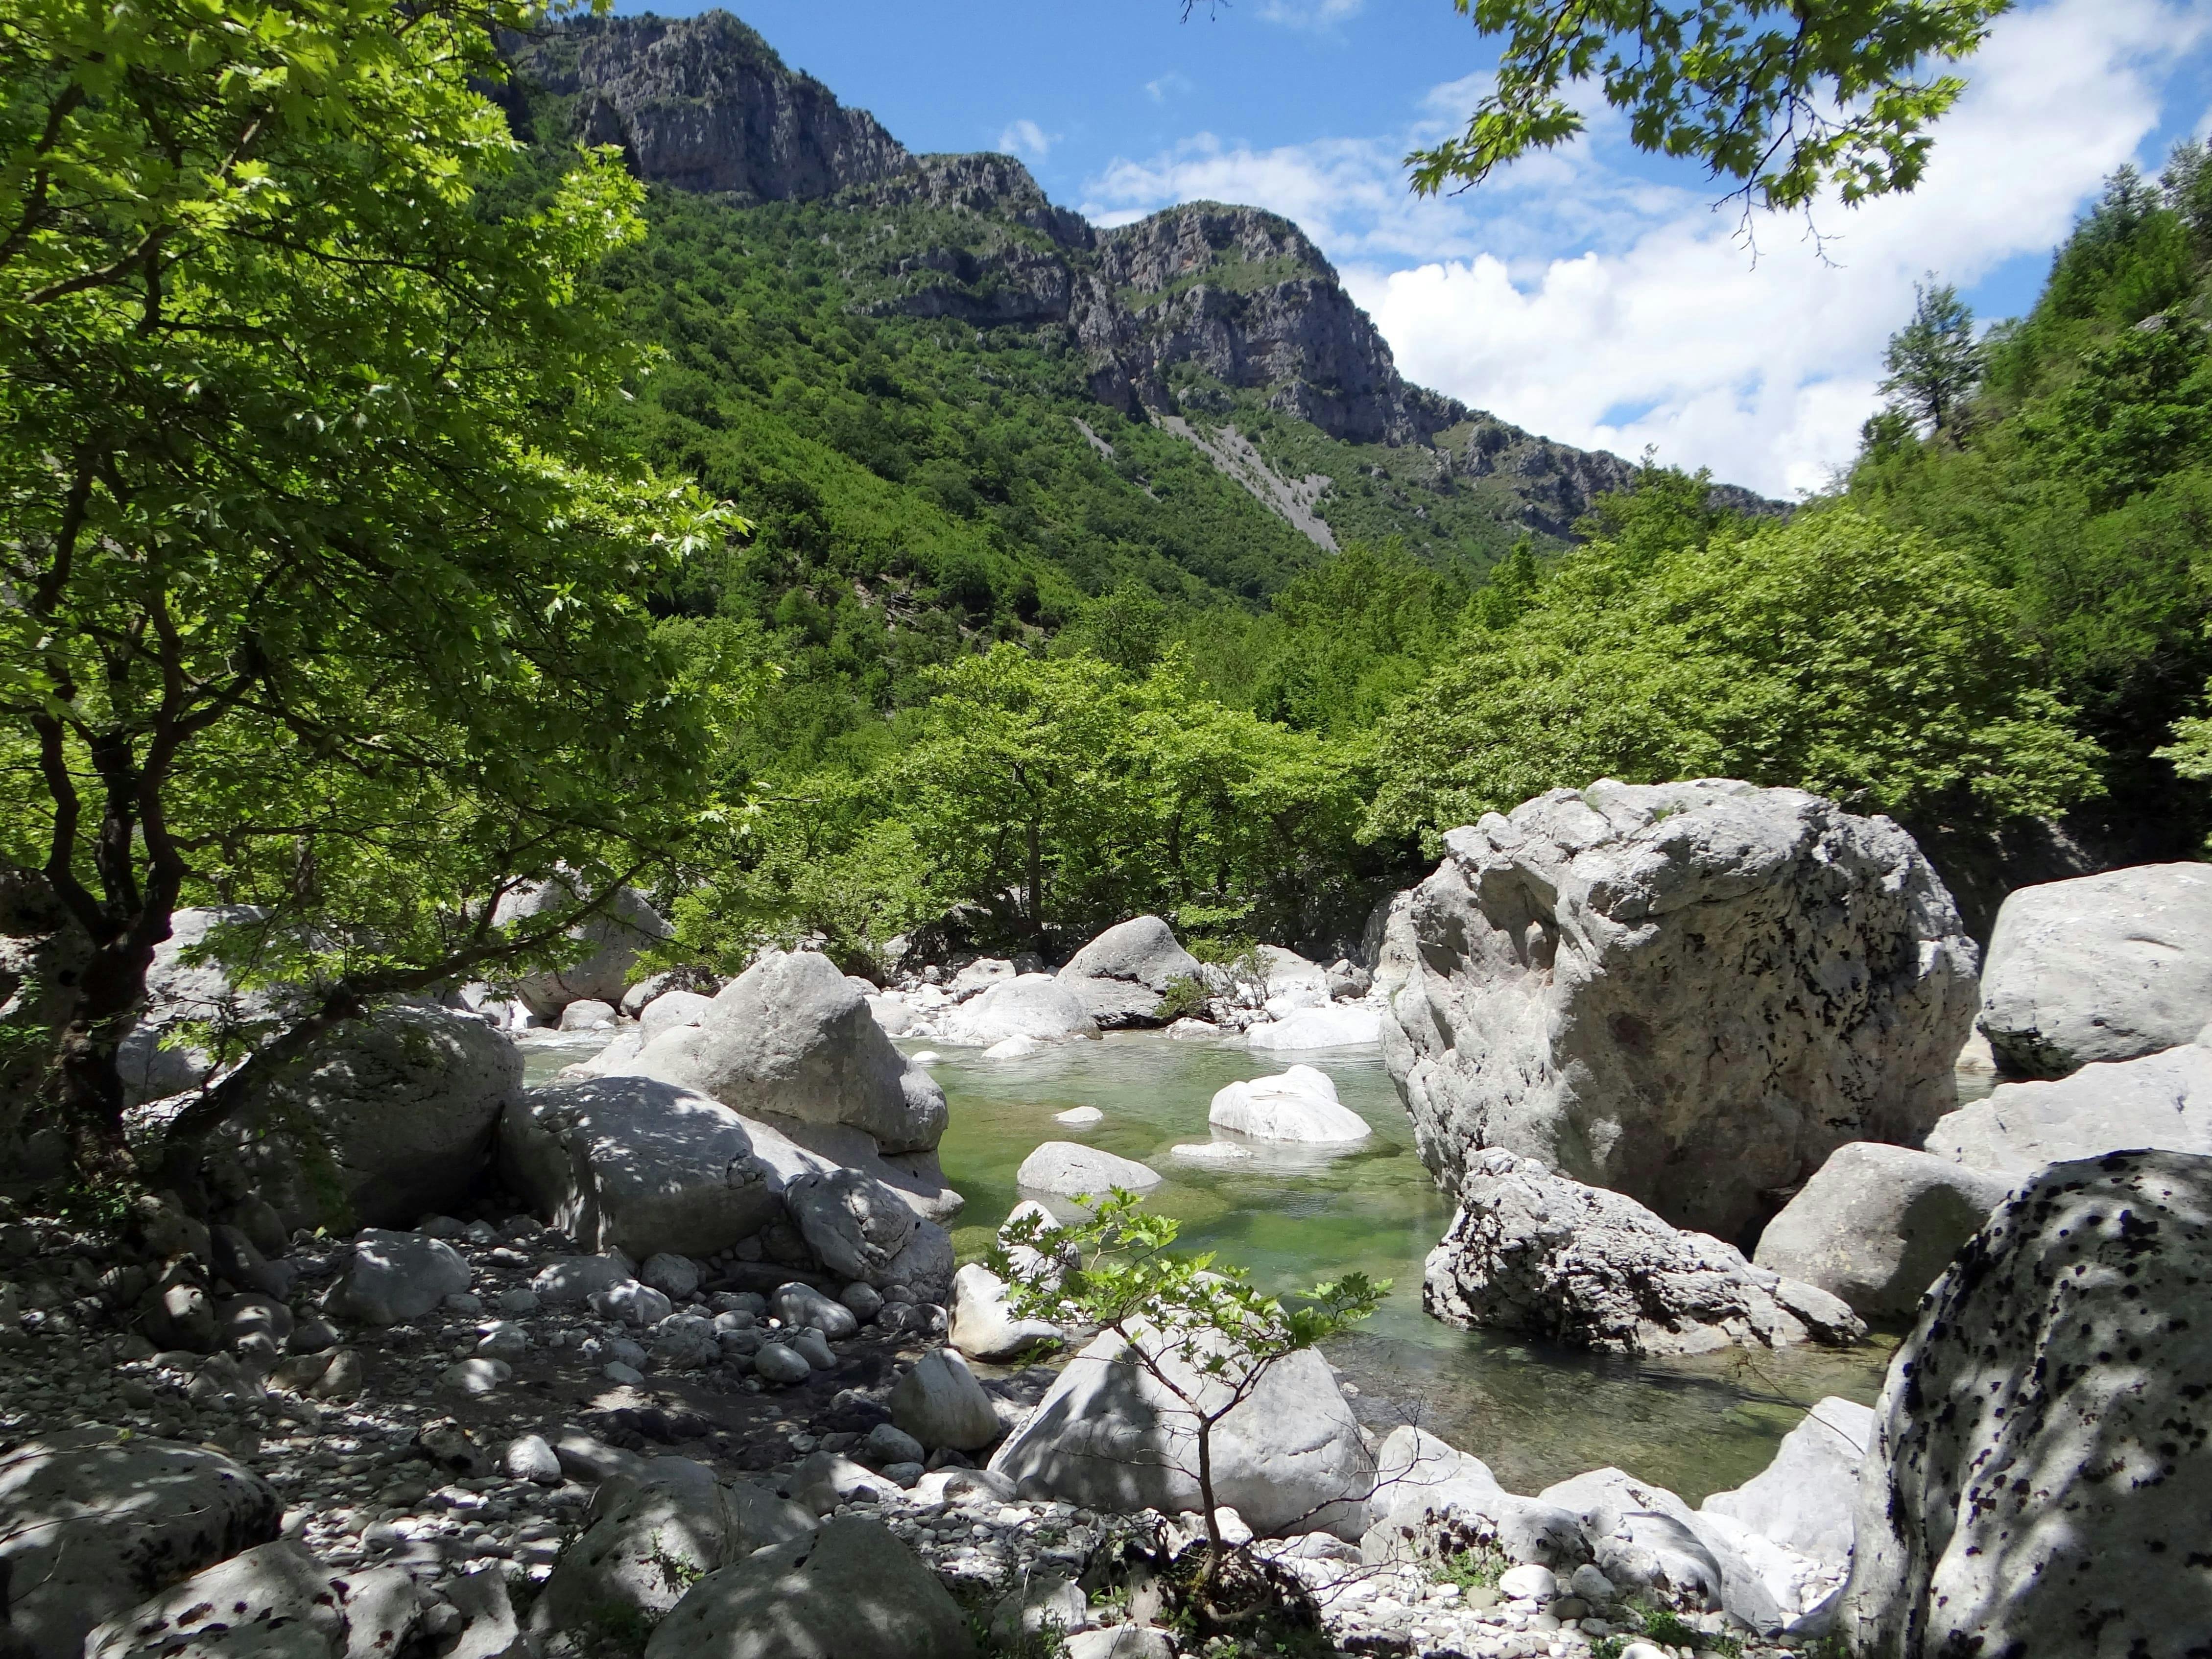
point(1689, 992)
point(792, 1038)
point(296, 1605)
point(613, 940)
point(1878, 1225)
point(704, 104)
point(389, 1277)
point(1806, 1499)
point(1579, 1266)
point(852, 1591)
point(2101, 967)
point(1107, 1434)
point(91, 1525)
point(2037, 1477)
point(2162, 1101)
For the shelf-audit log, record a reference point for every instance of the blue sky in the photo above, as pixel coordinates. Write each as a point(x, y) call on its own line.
point(1594, 295)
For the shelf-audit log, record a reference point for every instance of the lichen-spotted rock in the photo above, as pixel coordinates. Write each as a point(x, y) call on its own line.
point(2038, 1479)
point(1689, 992)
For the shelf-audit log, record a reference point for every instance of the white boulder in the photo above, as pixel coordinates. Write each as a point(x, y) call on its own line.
point(390, 1277)
point(1035, 1005)
point(1337, 1025)
point(939, 1402)
point(1298, 1105)
point(671, 1011)
point(983, 1325)
point(1066, 1169)
point(1806, 1499)
point(2162, 1101)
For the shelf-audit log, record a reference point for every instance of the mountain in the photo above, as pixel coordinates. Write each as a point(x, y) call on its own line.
point(1222, 326)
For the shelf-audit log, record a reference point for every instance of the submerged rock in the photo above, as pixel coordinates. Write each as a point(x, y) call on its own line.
point(1688, 992)
point(2042, 1445)
point(2108, 966)
point(1532, 1251)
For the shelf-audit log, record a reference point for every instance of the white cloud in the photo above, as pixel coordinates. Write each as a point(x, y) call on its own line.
point(1309, 13)
point(1575, 297)
point(1026, 139)
point(1174, 83)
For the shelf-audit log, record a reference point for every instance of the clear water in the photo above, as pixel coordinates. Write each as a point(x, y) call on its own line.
point(1535, 1415)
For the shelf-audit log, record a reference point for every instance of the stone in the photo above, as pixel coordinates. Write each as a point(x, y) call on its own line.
point(1529, 1581)
point(1046, 1601)
point(863, 1298)
point(791, 1037)
point(92, 1523)
point(1216, 1153)
point(1338, 1025)
point(1014, 1048)
point(1299, 1105)
point(1534, 1252)
point(2036, 1478)
point(1806, 1498)
point(1292, 982)
point(588, 1015)
point(2162, 1103)
point(490, 1630)
point(812, 1346)
point(984, 1327)
point(649, 1533)
point(855, 1224)
point(686, 1342)
point(824, 1479)
point(800, 1305)
point(476, 1378)
point(775, 1362)
point(529, 1458)
point(1419, 1480)
point(2108, 966)
point(1032, 1006)
point(622, 1373)
point(342, 1379)
point(671, 1011)
point(1687, 993)
point(674, 1276)
point(1120, 1641)
point(1194, 1031)
point(275, 1599)
point(242, 1317)
point(570, 1280)
point(1143, 951)
point(851, 1591)
point(390, 1277)
point(887, 1443)
point(1106, 1435)
point(1878, 1225)
point(1079, 1117)
point(939, 1402)
point(609, 943)
point(503, 1340)
point(631, 1304)
point(1068, 1169)
point(180, 992)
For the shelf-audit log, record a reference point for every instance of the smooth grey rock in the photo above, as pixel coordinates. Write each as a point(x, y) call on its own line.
point(1143, 951)
point(637, 1305)
point(1878, 1225)
point(572, 1279)
point(2042, 1447)
point(1113, 1005)
point(273, 1600)
point(2107, 967)
point(939, 1402)
point(609, 943)
point(812, 1346)
point(1420, 1482)
point(646, 1531)
point(775, 1363)
point(1804, 1499)
point(1107, 1435)
point(588, 1014)
point(91, 1524)
point(389, 1277)
point(1688, 992)
point(1303, 1030)
point(1647, 1539)
point(797, 1304)
point(823, 1479)
point(863, 1298)
point(531, 1458)
point(1122, 1642)
point(503, 1340)
point(670, 1011)
point(2162, 1101)
point(1299, 1105)
point(1535, 1252)
point(1068, 1169)
point(851, 1591)
point(674, 1276)
point(983, 1325)
point(686, 1342)
point(1031, 1006)
point(855, 1224)
point(476, 1378)
point(791, 1037)
point(1045, 1601)
point(153, 1065)
point(492, 1630)
point(887, 1443)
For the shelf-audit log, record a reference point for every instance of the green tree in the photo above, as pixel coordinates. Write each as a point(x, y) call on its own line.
point(1782, 98)
point(323, 594)
point(1203, 1333)
point(1934, 362)
point(1830, 653)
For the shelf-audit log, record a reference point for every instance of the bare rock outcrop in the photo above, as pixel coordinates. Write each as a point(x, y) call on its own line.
point(1689, 992)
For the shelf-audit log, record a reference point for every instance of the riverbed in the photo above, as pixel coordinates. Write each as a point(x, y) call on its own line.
point(1534, 1414)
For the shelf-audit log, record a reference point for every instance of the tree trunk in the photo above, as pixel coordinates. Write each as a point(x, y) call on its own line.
point(1034, 877)
point(86, 1084)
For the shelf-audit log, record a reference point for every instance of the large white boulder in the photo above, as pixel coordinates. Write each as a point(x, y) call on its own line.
point(1030, 1006)
point(1339, 1025)
point(2042, 1449)
point(1298, 1105)
point(851, 1591)
point(1066, 1169)
point(2162, 1100)
point(1878, 1225)
point(1107, 1434)
point(1689, 992)
point(609, 943)
point(388, 1277)
point(1535, 1252)
point(93, 1522)
point(1143, 951)
point(671, 1011)
point(1807, 1500)
point(2100, 968)
point(792, 1038)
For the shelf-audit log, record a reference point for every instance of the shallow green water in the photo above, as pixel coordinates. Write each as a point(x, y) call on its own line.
point(1534, 1415)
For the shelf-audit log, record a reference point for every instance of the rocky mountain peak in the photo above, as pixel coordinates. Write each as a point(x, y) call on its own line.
point(987, 186)
point(705, 103)
point(1211, 242)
